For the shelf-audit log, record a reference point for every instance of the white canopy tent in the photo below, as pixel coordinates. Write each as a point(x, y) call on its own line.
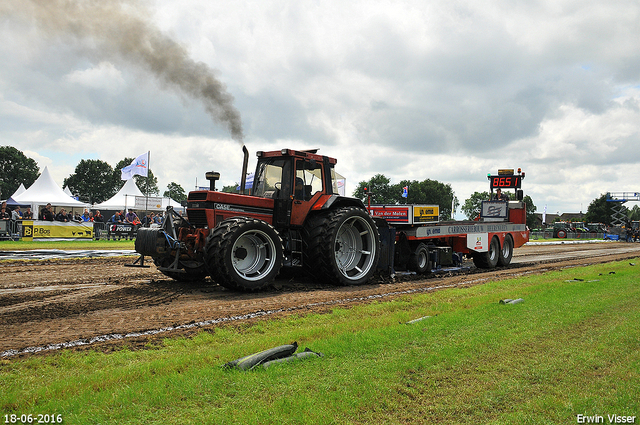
point(46, 191)
point(21, 189)
point(177, 206)
point(125, 198)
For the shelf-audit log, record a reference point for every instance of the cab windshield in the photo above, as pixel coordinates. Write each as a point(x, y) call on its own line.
point(267, 182)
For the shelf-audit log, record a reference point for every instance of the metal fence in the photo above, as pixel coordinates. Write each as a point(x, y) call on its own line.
point(100, 231)
point(10, 230)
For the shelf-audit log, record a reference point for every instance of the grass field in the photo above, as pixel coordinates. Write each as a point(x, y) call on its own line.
point(571, 348)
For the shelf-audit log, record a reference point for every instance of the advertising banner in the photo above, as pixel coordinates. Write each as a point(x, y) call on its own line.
point(497, 210)
point(398, 214)
point(406, 214)
point(56, 229)
point(151, 203)
point(426, 213)
point(478, 242)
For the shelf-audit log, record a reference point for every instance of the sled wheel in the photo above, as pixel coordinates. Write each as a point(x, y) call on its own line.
point(419, 260)
point(489, 259)
point(506, 253)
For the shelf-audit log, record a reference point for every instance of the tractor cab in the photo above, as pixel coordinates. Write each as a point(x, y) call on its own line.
point(295, 180)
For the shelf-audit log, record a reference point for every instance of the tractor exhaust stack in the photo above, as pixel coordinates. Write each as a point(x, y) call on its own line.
point(245, 163)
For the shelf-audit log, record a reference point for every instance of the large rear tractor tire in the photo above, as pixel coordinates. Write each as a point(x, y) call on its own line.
point(489, 259)
point(342, 246)
point(506, 253)
point(244, 253)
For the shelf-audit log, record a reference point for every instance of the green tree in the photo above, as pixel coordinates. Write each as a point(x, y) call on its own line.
point(425, 192)
point(148, 185)
point(599, 211)
point(91, 181)
point(15, 168)
point(379, 188)
point(231, 189)
point(117, 171)
point(531, 212)
point(175, 192)
point(634, 213)
point(430, 192)
point(472, 205)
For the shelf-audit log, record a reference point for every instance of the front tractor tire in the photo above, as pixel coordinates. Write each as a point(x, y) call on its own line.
point(343, 246)
point(244, 253)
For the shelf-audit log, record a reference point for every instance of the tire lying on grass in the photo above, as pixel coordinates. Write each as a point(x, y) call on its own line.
point(253, 360)
point(266, 358)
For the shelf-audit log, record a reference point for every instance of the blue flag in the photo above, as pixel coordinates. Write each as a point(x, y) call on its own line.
point(405, 191)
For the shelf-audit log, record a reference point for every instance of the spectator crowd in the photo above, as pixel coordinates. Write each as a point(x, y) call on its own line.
point(46, 213)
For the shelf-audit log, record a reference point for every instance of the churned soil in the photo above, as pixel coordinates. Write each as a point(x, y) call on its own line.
point(45, 302)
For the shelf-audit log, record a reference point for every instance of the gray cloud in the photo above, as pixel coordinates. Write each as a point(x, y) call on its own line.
point(442, 90)
point(120, 29)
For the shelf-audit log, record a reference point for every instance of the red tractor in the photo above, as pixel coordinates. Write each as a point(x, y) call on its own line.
point(294, 217)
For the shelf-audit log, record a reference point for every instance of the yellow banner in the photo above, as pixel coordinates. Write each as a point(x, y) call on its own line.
point(55, 229)
point(425, 213)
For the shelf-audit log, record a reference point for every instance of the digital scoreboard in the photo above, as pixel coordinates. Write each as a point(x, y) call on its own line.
point(506, 180)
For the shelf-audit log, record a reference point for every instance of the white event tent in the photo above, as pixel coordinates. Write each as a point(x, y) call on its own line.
point(44, 191)
point(21, 189)
point(126, 198)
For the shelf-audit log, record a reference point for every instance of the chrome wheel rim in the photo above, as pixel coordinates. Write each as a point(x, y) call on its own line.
point(253, 255)
point(355, 248)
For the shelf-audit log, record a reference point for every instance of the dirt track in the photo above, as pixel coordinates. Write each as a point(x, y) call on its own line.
point(52, 302)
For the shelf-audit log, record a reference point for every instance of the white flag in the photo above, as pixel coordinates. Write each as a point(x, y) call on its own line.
point(139, 166)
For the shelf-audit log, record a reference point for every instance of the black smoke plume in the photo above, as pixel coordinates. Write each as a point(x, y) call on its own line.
point(122, 28)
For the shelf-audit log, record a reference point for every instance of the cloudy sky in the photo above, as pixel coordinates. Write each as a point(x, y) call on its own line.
point(446, 90)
